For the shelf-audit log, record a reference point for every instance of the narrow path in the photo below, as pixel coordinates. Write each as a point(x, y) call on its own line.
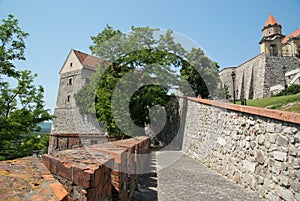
point(147, 189)
point(180, 178)
point(187, 179)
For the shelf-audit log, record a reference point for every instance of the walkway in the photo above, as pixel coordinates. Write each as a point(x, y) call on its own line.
point(182, 178)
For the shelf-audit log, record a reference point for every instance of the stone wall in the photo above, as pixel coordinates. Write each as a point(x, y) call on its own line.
point(274, 71)
point(255, 77)
point(102, 171)
point(257, 148)
point(68, 118)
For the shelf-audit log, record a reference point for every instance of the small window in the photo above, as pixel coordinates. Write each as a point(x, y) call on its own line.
point(69, 98)
point(71, 64)
point(70, 82)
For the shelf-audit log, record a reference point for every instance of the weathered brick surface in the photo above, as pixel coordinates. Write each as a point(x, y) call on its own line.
point(101, 171)
point(97, 172)
point(28, 179)
point(76, 167)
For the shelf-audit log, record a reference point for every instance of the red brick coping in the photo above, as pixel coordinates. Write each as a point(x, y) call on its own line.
point(273, 114)
point(100, 171)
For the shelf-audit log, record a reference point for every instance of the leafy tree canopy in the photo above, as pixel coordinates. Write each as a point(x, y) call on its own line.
point(140, 73)
point(21, 102)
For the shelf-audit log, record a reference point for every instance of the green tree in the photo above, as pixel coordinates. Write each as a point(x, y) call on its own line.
point(134, 58)
point(21, 102)
point(201, 73)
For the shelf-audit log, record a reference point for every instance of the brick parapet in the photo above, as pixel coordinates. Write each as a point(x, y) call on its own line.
point(100, 171)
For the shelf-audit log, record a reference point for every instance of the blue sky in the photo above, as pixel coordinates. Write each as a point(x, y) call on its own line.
point(227, 30)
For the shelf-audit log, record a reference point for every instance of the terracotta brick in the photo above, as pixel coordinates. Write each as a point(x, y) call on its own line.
point(46, 159)
point(82, 177)
point(59, 191)
point(37, 198)
point(64, 170)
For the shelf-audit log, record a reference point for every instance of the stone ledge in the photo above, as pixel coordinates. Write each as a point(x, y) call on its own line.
point(273, 114)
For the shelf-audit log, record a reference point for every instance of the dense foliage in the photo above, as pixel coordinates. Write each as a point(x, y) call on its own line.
point(21, 102)
point(293, 89)
point(140, 74)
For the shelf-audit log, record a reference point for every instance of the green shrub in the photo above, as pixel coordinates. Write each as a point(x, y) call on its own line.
point(293, 89)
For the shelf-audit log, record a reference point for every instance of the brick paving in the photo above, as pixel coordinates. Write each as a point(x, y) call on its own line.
point(182, 178)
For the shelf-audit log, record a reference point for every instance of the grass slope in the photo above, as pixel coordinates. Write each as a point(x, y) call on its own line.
point(287, 103)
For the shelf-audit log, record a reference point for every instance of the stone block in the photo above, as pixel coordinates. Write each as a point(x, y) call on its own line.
point(273, 147)
point(250, 122)
point(271, 196)
point(261, 140)
point(297, 138)
point(284, 193)
point(297, 196)
point(270, 128)
point(272, 138)
point(282, 140)
point(295, 185)
point(284, 181)
point(288, 130)
point(249, 166)
point(259, 157)
point(280, 156)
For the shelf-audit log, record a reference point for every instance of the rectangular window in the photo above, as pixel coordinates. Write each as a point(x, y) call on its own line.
point(71, 64)
point(68, 98)
point(70, 82)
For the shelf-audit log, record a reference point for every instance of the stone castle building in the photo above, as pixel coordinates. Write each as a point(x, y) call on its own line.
point(266, 73)
point(70, 127)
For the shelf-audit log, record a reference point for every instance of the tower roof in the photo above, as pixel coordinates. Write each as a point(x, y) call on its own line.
point(87, 60)
point(291, 35)
point(271, 21)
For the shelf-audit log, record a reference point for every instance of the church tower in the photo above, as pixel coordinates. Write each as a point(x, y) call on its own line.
point(270, 44)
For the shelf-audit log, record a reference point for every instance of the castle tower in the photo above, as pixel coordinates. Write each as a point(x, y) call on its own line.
point(291, 43)
point(69, 126)
point(270, 44)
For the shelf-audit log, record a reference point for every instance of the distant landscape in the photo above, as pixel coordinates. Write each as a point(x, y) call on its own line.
point(45, 127)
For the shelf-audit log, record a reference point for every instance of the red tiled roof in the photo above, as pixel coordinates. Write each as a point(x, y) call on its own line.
point(291, 35)
point(87, 60)
point(271, 21)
